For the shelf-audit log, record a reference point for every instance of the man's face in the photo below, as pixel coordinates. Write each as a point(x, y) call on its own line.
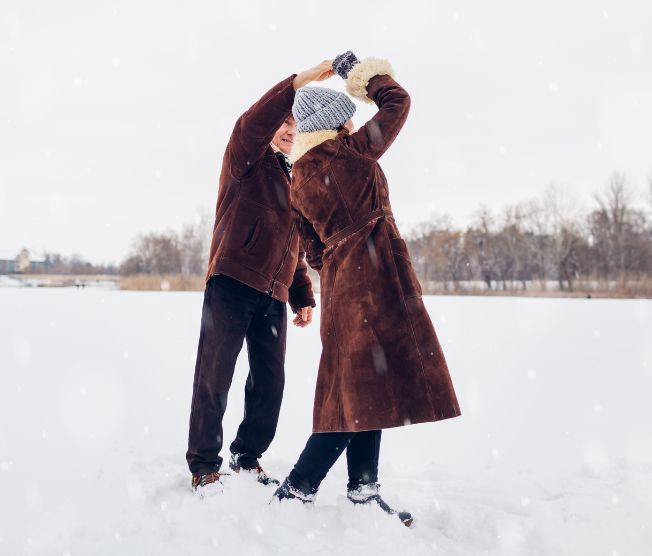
point(284, 136)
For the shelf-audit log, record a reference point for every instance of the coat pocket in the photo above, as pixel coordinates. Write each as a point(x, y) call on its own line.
point(252, 236)
point(406, 275)
point(249, 224)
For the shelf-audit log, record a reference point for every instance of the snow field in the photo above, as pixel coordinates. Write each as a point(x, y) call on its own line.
point(552, 454)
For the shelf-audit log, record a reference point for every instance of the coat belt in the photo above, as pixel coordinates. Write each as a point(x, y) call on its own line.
point(356, 226)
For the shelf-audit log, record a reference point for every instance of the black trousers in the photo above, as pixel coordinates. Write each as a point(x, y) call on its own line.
point(233, 312)
point(322, 451)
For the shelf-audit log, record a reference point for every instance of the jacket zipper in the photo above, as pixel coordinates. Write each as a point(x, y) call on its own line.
point(285, 256)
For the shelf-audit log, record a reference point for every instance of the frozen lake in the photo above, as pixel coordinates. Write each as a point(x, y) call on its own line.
point(552, 455)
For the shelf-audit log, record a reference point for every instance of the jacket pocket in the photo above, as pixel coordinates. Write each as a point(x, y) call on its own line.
point(406, 275)
point(252, 237)
point(246, 233)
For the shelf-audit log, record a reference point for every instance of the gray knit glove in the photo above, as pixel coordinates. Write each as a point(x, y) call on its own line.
point(343, 63)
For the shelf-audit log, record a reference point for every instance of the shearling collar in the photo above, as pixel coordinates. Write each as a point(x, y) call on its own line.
point(303, 142)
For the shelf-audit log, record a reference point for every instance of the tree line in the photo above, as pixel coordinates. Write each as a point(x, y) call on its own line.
point(539, 244)
point(56, 263)
point(540, 241)
point(170, 252)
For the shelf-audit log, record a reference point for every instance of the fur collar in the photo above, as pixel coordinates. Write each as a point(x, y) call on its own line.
point(303, 142)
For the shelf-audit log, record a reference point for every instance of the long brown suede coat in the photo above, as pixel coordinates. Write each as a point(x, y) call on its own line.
point(255, 239)
point(381, 365)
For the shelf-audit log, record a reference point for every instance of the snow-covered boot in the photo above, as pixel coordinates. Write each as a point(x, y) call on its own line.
point(370, 493)
point(287, 491)
point(236, 465)
point(208, 483)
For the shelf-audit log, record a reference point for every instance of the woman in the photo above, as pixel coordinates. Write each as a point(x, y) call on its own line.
point(381, 364)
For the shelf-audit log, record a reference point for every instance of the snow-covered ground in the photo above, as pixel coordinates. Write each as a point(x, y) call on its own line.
point(553, 453)
point(9, 282)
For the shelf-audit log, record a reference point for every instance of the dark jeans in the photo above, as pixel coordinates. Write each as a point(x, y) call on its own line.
point(233, 312)
point(322, 451)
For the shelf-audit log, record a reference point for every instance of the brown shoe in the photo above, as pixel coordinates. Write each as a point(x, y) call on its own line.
point(201, 481)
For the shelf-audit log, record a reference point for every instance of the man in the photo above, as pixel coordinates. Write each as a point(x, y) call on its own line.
point(254, 268)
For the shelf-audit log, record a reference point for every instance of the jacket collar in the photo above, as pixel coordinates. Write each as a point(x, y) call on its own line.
point(303, 142)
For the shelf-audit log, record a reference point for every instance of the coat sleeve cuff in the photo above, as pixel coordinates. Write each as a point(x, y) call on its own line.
point(360, 74)
point(301, 297)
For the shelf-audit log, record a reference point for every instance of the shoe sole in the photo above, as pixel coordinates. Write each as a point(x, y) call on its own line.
point(405, 518)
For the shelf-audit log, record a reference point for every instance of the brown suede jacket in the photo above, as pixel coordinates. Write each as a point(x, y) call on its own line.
point(255, 238)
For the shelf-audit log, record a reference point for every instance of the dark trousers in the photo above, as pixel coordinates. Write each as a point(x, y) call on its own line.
point(233, 312)
point(322, 451)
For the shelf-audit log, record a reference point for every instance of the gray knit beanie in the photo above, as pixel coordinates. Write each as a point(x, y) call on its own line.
point(318, 108)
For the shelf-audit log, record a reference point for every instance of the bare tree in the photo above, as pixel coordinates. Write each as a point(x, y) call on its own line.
point(155, 254)
point(564, 229)
point(538, 239)
point(618, 231)
point(614, 206)
point(194, 243)
point(480, 248)
point(445, 252)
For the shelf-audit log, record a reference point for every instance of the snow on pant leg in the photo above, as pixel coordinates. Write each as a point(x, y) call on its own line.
point(319, 455)
point(362, 458)
point(266, 339)
point(227, 311)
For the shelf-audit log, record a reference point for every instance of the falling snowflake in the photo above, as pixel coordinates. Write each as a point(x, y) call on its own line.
point(380, 360)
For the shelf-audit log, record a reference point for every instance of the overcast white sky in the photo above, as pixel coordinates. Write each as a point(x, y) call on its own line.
point(114, 115)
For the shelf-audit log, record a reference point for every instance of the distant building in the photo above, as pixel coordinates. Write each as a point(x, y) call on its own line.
point(8, 263)
point(22, 263)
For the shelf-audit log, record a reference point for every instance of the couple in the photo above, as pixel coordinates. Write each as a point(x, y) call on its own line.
point(328, 203)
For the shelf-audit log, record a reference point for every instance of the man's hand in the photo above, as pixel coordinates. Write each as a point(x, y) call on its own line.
point(303, 317)
point(321, 71)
